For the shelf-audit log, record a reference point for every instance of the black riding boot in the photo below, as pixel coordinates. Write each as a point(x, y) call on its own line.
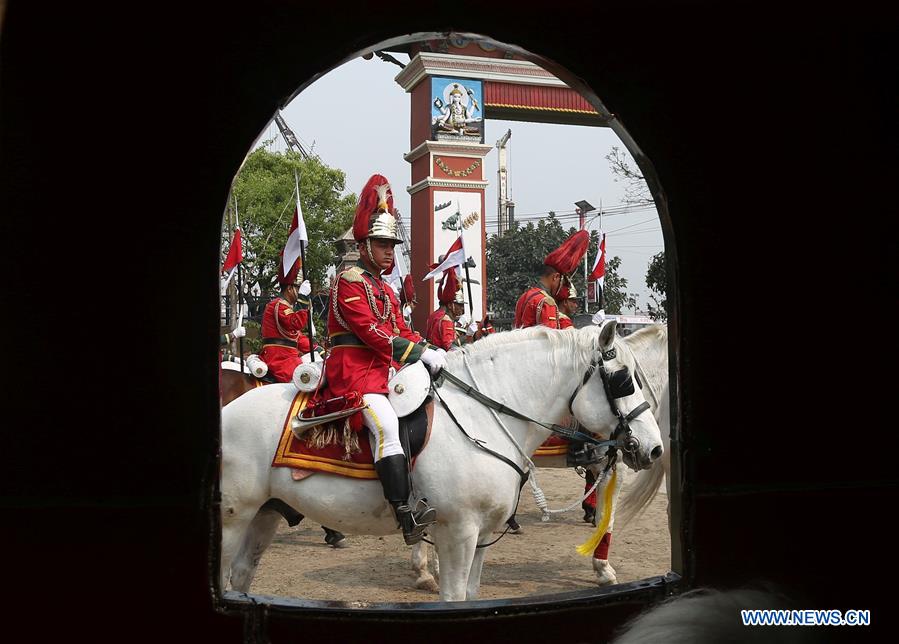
point(394, 475)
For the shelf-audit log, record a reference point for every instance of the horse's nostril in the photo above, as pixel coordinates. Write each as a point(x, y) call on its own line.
point(654, 454)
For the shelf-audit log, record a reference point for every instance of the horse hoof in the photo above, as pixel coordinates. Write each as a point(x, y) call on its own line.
point(605, 574)
point(427, 584)
point(336, 540)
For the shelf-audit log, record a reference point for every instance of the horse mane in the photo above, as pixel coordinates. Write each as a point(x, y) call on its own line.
point(579, 343)
point(647, 337)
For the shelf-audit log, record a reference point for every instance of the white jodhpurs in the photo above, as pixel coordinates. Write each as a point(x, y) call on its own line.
point(384, 426)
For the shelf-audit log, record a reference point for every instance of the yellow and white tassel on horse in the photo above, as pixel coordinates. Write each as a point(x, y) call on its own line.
point(590, 545)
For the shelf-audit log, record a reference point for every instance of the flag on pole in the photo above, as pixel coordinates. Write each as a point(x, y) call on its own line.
point(599, 265)
point(296, 236)
point(235, 256)
point(455, 256)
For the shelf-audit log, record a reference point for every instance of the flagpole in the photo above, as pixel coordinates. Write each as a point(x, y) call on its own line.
point(239, 286)
point(303, 266)
point(465, 264)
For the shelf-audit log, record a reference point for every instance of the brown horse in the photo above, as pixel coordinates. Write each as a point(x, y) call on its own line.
point(232, 384)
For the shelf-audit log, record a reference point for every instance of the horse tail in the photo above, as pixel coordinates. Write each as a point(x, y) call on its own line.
point(640, 493)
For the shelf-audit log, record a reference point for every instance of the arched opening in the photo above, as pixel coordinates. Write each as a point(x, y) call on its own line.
point(613, 130)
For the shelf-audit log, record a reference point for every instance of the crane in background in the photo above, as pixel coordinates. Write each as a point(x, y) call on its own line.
point(505, 207)
point(292, 142)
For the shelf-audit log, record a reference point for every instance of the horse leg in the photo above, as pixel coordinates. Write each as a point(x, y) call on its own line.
point(235, 524)
point(258, 538)
point(605, 574)
point(424, 579)
point(474, 575)
point(457, 552)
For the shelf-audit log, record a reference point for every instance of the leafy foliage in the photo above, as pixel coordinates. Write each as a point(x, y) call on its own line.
point(657, 281)
point(265, 195)
point(515, 262)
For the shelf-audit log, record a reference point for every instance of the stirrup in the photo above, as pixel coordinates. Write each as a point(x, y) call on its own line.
point(416, 521)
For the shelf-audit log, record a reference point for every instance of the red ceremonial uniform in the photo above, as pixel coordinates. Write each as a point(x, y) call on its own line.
point(565, 321)
point(367, 335)
point(535, 307)
point(441, 330)
point(283, 340)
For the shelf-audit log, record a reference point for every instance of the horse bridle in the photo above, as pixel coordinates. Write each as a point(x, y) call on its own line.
point(618, 384)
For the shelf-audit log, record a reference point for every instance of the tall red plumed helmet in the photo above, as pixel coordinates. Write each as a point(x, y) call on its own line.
point(375, 217)
point(407, 293)
point(450, 289)
point(570, 254)
point(567, 292)
point(293, 277)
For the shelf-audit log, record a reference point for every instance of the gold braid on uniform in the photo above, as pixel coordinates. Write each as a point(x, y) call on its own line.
point(337, 315)
point(370, 295)
point(388, 307)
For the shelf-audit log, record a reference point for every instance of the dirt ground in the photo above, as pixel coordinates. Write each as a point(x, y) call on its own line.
point(541, 560)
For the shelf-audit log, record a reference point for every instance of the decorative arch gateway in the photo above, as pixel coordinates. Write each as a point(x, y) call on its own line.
point(455, 85)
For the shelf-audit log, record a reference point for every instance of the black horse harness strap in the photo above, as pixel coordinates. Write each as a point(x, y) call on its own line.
point(566, 432)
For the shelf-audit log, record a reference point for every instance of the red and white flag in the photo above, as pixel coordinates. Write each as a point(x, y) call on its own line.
point(455, 256)
point(235, 256)
point(599, 265)
point(296, 236)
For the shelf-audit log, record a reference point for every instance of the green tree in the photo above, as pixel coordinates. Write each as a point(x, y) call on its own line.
point(515, 261)
point(264, 191)
point(657, 281)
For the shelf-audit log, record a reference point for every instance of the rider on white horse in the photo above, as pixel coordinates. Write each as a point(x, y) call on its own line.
point(368, 334)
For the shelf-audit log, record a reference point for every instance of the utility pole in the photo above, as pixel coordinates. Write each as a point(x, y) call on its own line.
point(583, 207)
point(292, 142)
point(505, 207)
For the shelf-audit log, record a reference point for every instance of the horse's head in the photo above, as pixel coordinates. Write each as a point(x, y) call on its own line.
point(610, 401)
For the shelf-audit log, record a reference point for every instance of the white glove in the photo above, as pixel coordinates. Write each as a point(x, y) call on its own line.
point(463, 320)
point(598, 317)
point(434, 360)
point(472, 328)
point(305, 288)
point(239, 332)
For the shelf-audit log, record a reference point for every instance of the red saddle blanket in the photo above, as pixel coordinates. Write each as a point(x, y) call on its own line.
point(553, 446)
point(333, 457)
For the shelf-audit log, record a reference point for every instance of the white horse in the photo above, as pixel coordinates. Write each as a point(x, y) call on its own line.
point(532, 371)
point(649, 347)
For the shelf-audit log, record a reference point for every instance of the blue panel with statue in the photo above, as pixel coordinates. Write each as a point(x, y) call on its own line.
point(457, 110)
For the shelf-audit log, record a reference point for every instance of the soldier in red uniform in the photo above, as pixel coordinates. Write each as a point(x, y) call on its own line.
point(567, 306)
point(484, 327)
point(367, 335)
point(537, 305)
point(284, 324)
point(441, 329)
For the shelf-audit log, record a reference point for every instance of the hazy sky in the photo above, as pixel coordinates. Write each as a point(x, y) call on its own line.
point(356, 118)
